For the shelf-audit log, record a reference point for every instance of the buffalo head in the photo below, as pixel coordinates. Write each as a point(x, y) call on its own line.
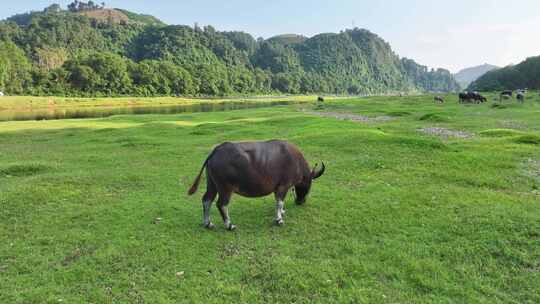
point(302, 189)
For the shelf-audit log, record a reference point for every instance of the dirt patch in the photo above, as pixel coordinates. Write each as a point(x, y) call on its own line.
point(512, 124)
point(352, 117)
point(107, 15)
point(445, 133)
point(532, 168)
point(75, 255)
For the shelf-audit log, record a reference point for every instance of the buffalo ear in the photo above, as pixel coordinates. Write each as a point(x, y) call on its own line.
point(317, 173)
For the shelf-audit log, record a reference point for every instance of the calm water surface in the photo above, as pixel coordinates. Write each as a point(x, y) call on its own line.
point(96, 112)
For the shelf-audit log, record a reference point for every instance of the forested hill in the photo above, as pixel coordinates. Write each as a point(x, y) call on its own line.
point(90, 50)
point(521, 76)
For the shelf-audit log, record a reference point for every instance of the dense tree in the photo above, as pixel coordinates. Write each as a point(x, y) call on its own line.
point(152, 77)
point(99, 73)
point(53, 8)
point(50, 58)
point(243, 42)
point(78, 6)
point(276, 57)
point(14, 69)
point(439, 80)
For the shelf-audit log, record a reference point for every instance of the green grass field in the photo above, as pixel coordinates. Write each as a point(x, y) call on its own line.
point(400, 216)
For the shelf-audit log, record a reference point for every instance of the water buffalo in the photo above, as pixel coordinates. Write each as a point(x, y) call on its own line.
point(471, 96)
point(320, 99)
point(254, 169)
point(479, 98)
point(464, 96)
point(506, 94)
point(438, 99)
point(520, 96)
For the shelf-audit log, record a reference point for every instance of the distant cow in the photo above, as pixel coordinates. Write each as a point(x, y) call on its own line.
point(479, 98)
point(506, 94)
point(438, 99)
point(463, 97)
point(520, 96)
point(471, 97)
point(320, 99)
point(254, 169)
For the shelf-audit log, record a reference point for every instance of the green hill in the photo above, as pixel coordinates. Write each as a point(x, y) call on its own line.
point(523, 75)
point(90, 50)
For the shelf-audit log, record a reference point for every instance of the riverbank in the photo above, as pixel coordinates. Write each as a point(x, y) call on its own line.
point(30, 103)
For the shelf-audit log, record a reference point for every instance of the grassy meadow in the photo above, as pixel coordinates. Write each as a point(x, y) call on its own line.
point(96, 211)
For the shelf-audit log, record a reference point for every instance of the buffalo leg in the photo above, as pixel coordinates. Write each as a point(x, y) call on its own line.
point(223, 201)
point(207, 200)
point(280, 205)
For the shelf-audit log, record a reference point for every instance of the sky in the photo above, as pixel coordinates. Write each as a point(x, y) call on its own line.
point(439, 33)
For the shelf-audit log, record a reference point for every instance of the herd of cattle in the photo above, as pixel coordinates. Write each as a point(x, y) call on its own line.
point(475, 97)
point(520, 95)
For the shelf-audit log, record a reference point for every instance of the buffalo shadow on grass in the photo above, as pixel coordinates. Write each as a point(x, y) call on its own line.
point(24, 169)
point(434, 117)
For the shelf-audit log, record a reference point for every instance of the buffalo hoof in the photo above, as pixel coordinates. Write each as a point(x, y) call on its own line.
point(279, 222)
point(231, 227)
point(209, 226)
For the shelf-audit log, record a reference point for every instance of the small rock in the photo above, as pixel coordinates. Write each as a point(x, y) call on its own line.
point(180, 274)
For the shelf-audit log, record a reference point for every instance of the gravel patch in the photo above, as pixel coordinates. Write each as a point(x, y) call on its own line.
point(532, 168)
point(512, 124)
point(445, 133)
point(352, 117)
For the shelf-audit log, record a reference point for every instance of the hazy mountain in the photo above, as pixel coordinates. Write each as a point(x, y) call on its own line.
point(468, 75)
